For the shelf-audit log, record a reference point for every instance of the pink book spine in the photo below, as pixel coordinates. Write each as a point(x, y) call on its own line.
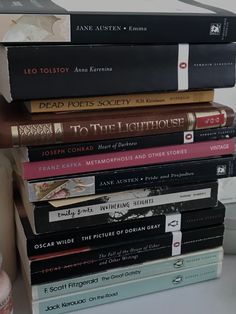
point(142, 157)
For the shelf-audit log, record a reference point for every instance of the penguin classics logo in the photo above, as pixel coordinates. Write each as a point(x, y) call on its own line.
point(177, 280)
point(179, 263)
point(173, 223)
point(183, 65)
point(215, 29)
point(188, 137)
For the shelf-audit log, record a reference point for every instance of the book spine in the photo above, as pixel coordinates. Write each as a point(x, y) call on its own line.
point(141, 28)
point(204, 170)
point(48, 219)
point(48, 243)
point(118, 101)
point(136, 28)
point(116, 126)
point(134, 288)
point(133, 272)
point(90, 260)
point(111, 70)
point(120, 125)
point(148, 156)
point(38, 153)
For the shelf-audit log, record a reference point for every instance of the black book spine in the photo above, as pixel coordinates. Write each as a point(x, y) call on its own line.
point(50, 219)
point(123, 231)
point(38, 153)
point(202, 238)
point(95, 260)
point(150, 28)
point(70, 71)
point(103, 26)
point(199, 170)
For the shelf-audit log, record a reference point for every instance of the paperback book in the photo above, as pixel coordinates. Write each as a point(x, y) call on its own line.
point(124, 274)
point(118, 101)
point(69, 21)
point(119, 160)
point(39, 72)
point(120, 207)
point(178, 173)
point(81, 300)
point(41, 246)
point(95, 259)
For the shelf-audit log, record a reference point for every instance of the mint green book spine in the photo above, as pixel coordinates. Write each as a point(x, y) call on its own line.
point(123, 274)
point(84, 299)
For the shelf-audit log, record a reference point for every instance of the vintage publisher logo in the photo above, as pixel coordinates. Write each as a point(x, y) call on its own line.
point(221, 170)
point(215, 29)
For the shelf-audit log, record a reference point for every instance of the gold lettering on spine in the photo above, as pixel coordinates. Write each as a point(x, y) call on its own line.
point(225, 116)
point(191, 121)
point(32, 134)
point(58, 130)
point(15, 136)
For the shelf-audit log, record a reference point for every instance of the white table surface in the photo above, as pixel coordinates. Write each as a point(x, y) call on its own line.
point(212, 297)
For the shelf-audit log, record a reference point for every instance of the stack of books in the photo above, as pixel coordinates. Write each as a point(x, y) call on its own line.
point(118, 145)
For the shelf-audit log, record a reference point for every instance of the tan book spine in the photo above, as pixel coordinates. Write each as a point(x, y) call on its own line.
point(118, 101)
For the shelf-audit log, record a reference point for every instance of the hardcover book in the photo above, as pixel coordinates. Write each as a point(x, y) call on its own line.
point(81, 300)
point(121, 207)
point(93, 259)
point(20, 128)
point(178, 173)
point(78, 21)
point(119, 275)
point(38, 72)
point(56, 151)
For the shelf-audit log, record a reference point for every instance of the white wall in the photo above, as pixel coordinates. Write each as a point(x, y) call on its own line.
point(227, 187)
point(226, 96)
